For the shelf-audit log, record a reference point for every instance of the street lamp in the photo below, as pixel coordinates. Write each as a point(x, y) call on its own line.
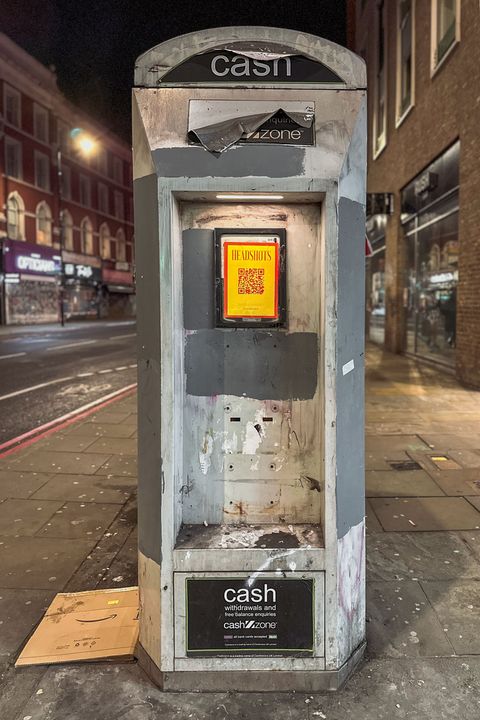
point(86, 145)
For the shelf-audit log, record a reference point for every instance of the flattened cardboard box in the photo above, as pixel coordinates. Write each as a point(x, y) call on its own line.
point(85, 626)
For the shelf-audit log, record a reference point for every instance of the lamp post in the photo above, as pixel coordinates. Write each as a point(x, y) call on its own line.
point(85, 145)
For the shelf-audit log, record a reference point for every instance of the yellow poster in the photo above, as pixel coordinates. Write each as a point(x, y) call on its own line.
point(250, 279)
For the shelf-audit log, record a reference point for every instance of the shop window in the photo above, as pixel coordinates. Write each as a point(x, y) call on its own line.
point(44, 224)
point(67, 230)
point(15, 217)
point(40, 123)
point(380, 88)
point(405, 56)
point(103, 198)
point(121, 253)
point(119, 211)
point(13, 158)
point(12, 106)
point(104, 234)
point(445, 29)
point(85, 195)
point(66, 182)
point(86, 236)
point(42, 171)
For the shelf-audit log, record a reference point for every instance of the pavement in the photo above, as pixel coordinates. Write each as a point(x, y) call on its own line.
point(67, 522)
point(47, 371)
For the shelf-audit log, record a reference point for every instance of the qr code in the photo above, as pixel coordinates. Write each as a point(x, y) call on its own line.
point(251, 281)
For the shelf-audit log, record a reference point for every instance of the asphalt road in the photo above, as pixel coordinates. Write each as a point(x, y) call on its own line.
point(48, 371)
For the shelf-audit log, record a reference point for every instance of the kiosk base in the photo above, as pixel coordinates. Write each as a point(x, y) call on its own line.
point(246, 681)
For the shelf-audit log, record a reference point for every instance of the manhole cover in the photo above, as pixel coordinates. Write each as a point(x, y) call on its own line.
point(405, 465)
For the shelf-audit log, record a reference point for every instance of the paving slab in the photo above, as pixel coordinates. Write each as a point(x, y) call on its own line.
point(20, 611)
point(65, 443)
point(390, 444)
point(113, 417)
point(25, 517)
point(457, 605)
point(80, 520)
point(87, 488)
point(114, 446)
point(371, 520)
point(117, 465)
point(394, 483)
point(426, 514)
point(61, 462)
point(466, 458)
point(452, 442)
point(123, 570)
point(16, 688)
point(96, 429)
point(401, 556)
point(17, 484)
point(90, 573)
point(400, 622)
point(407, 688)
point(41, 563)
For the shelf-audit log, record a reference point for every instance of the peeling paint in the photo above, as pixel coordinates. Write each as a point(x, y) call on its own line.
point(205, 454)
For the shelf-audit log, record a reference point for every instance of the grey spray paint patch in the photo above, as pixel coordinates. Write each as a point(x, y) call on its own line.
point(148, 329)
point(198, 279)
point(265, 365)
point(350, 386)
point(239, 161)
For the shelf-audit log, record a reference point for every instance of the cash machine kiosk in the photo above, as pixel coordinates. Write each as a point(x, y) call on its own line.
point(249, 183)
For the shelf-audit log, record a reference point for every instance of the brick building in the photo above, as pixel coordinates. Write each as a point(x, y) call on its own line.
point(423, 279)
point(62, 213)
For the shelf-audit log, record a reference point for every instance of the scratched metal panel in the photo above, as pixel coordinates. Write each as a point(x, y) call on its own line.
point(242, 452)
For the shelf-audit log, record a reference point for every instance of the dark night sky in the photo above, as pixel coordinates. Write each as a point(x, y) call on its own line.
point(93, 45)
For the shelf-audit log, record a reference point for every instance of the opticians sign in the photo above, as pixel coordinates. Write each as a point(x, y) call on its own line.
point(30, 259)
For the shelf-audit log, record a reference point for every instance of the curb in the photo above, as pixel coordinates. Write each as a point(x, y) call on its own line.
point(32, 436)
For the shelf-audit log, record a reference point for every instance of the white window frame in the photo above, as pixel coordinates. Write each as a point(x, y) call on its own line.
point(67, 231)
point(37, 111)
point(9, 90)
point(102, 162)
point(434, 64)
point(379, 140)
point(37, 156)
point(14, 143)
point(83, 178)
point(104, 236)
point(48, 219)
point(399, 115)
point(121, 243)
point(86, 236)
point(20, 233)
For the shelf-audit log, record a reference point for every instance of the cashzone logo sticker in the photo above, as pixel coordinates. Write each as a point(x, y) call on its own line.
point(251, 271)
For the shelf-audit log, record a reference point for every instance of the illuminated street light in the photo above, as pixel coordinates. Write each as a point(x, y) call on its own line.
point(86, 145)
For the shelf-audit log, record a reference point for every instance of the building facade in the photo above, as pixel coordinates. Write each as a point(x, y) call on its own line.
point(66, 215)
point(423, 276)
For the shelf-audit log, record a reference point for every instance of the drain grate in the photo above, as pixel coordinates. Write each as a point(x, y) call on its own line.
point(405, 465)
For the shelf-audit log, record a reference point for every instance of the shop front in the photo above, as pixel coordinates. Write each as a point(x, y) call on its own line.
point(375, 280)
point(118, 292)
point(82, 287)
point(430, 207)
point(31, 275)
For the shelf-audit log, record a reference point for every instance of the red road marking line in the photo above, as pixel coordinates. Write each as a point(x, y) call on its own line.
point(53, 426)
